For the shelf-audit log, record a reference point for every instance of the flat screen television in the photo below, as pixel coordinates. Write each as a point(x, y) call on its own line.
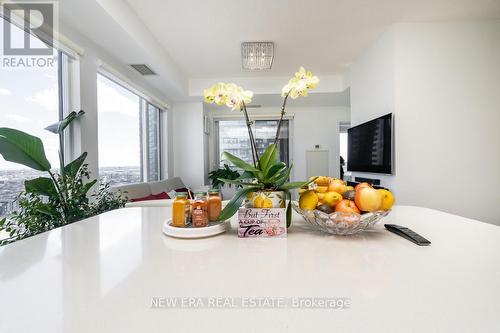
point(369, 146)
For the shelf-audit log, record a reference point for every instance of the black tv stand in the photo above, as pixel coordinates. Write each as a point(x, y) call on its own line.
point(374, 182)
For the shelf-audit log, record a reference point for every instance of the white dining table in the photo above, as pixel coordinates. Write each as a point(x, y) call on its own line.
point(117, 272)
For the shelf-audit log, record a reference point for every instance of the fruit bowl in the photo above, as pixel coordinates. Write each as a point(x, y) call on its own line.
point(339, 223)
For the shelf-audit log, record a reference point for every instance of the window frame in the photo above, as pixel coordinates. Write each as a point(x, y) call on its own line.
point(215, 159)
point(144, 102)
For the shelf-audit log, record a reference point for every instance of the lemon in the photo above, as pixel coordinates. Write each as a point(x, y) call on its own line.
point(258, 202)
point(387, 199)
point(308, 200)
point(268, 203)
point(332, 198)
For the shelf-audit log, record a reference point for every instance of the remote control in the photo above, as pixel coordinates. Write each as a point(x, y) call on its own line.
point(407, 233)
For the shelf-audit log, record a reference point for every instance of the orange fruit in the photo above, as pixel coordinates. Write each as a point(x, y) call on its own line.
point(337, 185)
point(321, 189)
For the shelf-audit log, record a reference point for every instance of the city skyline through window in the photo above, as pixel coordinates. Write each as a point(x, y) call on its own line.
point(233, 138)
point(119, 133)
point(129, 135)
point(28, 102)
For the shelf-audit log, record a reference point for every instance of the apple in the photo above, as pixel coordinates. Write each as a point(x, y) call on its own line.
point(387, 199)
point(347, 206)
point(368, 199)
point(361, 185)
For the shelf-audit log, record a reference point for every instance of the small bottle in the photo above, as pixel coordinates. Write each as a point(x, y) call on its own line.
point(181, 210)
point(214, 205)
point(199, 216)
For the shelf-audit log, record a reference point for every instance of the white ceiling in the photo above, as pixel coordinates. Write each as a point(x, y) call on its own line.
point(193, 43)
point(203, 36)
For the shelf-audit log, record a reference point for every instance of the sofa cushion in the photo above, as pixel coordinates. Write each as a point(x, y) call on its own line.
point(150, 203)
point(133, 191)
point(146, 198)
point(186, 190)
point(166, 185)
point(161, 196)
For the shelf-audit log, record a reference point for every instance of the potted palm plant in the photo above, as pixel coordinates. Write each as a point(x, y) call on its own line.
point(263, 183)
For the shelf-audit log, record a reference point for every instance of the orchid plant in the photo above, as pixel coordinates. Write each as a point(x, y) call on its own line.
point(266, 173)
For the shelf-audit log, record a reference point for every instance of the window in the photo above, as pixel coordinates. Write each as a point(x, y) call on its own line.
point(31, 98)
point(233, 138)
point(343, 147)
point(152, 141)
point(129, 135)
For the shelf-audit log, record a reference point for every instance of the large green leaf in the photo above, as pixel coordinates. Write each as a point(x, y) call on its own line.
point(71, 169)
point(268, 158)
point(246, 175)
point(239, 182)
point(235, 203)
point(59, 127)
point(283, 177)
point(292, 185)
point(88, 186)
point(22, 148)
point(42, 185)
point(274, 169)
point(238, 162)
point(289, 209)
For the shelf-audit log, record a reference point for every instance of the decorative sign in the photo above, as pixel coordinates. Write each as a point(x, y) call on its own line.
point(262, 222)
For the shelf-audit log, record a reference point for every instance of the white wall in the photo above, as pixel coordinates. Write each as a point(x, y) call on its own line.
point(311, 126)
point(317, 126)
point(446, 99)
point(188, 143)
point(85, 137)
point(372, 90)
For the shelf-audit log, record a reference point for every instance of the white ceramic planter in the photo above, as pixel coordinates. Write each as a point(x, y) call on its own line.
point(266, 199)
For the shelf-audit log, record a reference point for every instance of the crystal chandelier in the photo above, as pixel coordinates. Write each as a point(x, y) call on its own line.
point(256, 56)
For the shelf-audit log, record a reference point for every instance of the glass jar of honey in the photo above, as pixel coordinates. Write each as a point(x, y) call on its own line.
point(199, 216)
point(214, 205)
point(181, 210)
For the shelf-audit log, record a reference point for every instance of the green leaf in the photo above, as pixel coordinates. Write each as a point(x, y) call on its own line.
point(59, 127)
point(41, 185)
point(46, 211)
point(239, 182)
point(289, 209)
point(22, 148)
point(292, 185)
point(238, 162)
point(235, 203)
point(246, 175)
point(268, 158)
point(283, 177)
point(71, 169)
point(274, 169)
point(88, 186)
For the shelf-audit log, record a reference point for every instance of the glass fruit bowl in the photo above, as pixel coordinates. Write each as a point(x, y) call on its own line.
point(339, 223)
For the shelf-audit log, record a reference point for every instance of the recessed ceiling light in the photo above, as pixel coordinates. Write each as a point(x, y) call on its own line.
point(249, 49)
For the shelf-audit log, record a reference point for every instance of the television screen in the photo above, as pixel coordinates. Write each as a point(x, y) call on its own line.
point(369, 146)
